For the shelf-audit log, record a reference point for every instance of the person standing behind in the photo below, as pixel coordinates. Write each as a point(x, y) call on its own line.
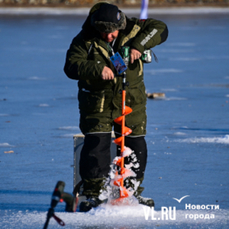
point(106, 31)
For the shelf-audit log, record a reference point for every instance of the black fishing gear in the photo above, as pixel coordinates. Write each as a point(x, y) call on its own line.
point(59, 196)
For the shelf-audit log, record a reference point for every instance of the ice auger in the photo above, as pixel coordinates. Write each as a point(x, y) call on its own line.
point(120, 141)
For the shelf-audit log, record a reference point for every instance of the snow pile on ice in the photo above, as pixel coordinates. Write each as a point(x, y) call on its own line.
point(220, 140)
point(5, 144)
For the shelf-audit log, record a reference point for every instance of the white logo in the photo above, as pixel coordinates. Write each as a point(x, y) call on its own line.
point(169, 213)
point(166, 213)
point(148, 37)
point(179, 200)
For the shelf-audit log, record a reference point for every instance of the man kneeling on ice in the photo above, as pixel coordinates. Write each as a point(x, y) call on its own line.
point(108, 30)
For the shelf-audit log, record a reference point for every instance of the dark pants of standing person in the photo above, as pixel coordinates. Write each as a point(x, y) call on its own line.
point(95, 160)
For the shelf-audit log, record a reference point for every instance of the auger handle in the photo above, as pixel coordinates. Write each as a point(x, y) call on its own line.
point(123, 75)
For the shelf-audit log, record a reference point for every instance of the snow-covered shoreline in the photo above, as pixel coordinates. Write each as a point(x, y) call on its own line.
point(84, 10)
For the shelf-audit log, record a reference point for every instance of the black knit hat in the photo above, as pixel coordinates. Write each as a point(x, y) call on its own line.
point(108, 18)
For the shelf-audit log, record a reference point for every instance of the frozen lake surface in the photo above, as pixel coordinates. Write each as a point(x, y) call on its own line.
point(187, 131)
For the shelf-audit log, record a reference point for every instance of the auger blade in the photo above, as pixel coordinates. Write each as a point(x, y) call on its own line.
point(119, 140)
point(125, 173)
point(118, 182)
point(128, 110)
point(127, 131)
point(119, 120)
point(117, 179)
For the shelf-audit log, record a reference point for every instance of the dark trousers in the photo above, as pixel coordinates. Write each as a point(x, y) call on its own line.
point(95, 156)
point(138, 145)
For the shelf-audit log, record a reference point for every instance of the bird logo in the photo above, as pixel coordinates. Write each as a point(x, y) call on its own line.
point(179, 200)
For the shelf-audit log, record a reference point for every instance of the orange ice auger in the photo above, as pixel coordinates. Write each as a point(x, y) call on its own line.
point(123, 172)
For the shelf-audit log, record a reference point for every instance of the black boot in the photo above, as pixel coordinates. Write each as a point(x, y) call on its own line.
point(145, 201)
point(89, 203)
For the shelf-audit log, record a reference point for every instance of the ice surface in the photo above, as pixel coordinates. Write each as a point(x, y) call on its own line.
point(187, 132)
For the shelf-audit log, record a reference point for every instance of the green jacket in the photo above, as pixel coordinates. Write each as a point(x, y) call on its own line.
point(100, 100)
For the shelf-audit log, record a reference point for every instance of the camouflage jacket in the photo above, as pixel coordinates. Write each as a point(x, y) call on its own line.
point(101, 99)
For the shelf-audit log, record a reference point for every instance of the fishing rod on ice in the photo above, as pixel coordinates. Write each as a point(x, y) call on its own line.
point(59, 195)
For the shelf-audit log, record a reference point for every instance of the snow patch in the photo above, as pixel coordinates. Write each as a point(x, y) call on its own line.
point(36, 78)
point(169, 89)
point(179, 133)
point(177, 50)
point(70, 135)
point(69, 128)
point(219, 140)
point(156, 71)
point(182, 44)
point(43, 105)
point(5, 145)
point(185, 59)
point(174, 98)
